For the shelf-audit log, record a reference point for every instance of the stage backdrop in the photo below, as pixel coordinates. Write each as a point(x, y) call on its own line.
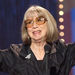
point(11, 16)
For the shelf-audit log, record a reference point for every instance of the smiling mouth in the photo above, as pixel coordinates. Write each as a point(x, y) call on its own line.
point(37, 32)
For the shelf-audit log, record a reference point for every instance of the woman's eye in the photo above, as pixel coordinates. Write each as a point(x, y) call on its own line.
point(29, 22)
point(41, 19)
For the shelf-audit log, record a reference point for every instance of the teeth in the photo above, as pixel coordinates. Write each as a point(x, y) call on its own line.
point(36, 31)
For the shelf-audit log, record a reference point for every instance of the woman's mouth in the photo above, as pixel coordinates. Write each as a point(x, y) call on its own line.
point(36, 32)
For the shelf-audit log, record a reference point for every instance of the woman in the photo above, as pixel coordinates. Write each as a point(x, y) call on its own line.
point(41, 52)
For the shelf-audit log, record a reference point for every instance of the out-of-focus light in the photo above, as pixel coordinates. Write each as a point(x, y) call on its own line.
point(61, 13)
point(61, 27)
point(62, 40)
point(61, 19)
point(61, 0)
point(61, 33)
point(61, 6)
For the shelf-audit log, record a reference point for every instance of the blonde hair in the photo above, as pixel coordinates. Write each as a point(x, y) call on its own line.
point(52, 33)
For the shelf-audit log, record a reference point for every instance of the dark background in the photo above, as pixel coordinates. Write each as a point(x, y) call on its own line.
point(11, 16)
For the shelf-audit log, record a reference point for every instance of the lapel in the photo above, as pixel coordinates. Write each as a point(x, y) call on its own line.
point(25, 52)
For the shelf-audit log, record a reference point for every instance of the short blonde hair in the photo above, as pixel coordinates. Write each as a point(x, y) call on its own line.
point(52, 33)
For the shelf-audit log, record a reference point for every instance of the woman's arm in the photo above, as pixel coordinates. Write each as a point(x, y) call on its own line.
point(69, 60)
point(71, 53)
point(8, 57)
point(5, 60)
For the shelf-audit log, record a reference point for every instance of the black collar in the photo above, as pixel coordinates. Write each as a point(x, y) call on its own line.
point(25, 51)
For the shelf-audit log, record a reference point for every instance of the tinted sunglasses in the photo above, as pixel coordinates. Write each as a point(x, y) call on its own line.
point(39, 21)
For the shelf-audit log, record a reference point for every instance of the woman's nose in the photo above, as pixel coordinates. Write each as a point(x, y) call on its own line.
point(35, 25)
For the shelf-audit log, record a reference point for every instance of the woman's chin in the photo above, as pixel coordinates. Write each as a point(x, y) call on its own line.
point(38, 39)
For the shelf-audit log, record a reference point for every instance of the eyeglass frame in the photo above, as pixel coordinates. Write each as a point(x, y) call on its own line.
point(36, 20)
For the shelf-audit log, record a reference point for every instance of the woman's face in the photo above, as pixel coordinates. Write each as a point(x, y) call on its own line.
point(36, 27)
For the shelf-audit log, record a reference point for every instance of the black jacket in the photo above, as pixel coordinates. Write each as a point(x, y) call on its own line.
point(20, 60)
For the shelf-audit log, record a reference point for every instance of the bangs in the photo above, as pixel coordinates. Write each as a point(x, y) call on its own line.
point(30, 13)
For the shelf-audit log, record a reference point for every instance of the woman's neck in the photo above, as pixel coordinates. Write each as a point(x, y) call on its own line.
point(38, 50)
point(38, 45)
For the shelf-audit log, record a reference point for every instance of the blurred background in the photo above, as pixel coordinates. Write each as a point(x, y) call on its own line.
point(12, 12)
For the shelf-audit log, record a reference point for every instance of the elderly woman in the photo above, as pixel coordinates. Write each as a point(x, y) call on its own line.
point(41, 52)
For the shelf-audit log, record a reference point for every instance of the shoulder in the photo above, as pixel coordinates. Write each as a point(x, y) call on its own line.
point(65, 48)
point(61, 49)
point(70, 54)
point(71, 45)
point(60, 46)
point(71, 50)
